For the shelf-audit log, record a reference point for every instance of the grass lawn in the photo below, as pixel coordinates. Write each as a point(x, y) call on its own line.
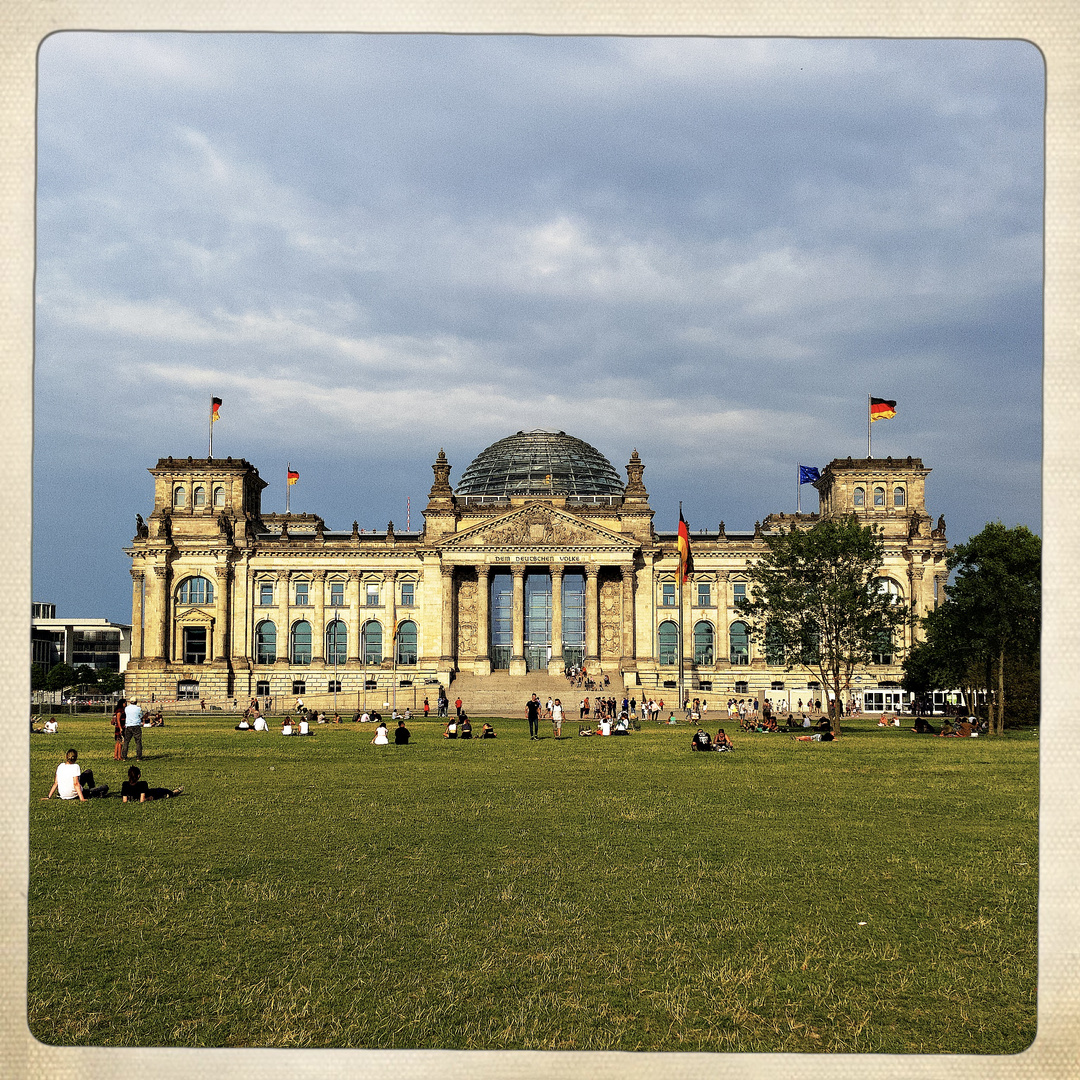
point(877, 894)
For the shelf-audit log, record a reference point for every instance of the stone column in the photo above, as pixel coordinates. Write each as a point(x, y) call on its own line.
point(517, 654)
point(353, 600)
point(592, 614)
point(137, 578)
point(156, 611)
point(390, 577)
point(483, 617)
point(628, 615)
point(722, 639)
point(318, 630)
point(241, 611)
point(556, 661)
point(221, 614)
point(446, 659)
point(283, 619)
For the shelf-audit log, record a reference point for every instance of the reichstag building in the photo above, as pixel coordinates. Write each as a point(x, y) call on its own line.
point(541, 556)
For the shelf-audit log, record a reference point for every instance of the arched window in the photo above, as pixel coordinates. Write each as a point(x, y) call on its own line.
point(898, 496)
point(198, 496)
point(860, 496)
point(219, 496)
point(740, 643)
point(703, 644)
point(179, 495)
point(300, 643)
point(265, 642)
point(668, 637)
point(774, 649)
point(879, 496)
point(195, 590)
point(336, 642)
point(371, 639)
point(406, 643)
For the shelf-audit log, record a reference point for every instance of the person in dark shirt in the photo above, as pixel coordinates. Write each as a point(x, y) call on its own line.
point(487, 732)
point(466, 727)
point(139, 791)
point(701, 740)
point(401, 734)
point(532, 711)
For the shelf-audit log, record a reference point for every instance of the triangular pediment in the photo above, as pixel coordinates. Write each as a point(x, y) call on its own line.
point(537, 526)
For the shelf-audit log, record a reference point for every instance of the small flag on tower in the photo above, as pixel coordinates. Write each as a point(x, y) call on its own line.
point(293, 477)
point(880, 409)
point(686, 559)
point(808, 474)
point(215, 404)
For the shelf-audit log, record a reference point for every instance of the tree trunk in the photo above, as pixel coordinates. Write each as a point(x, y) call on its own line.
point(1001, 691)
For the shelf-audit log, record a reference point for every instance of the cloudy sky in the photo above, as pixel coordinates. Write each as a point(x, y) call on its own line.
point(371, 247)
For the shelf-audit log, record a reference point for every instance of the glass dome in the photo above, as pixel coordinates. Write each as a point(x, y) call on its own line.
point(540, 463)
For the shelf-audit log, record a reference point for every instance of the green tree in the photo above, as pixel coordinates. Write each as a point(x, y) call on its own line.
point(996, 600)
point(60, 677)
point(817, 596)
point(946, 659)
point(109, 682)
point(86, 675)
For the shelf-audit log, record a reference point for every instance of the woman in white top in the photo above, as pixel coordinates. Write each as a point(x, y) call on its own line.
point(304, 727)
point(286, 726)
point(260, 723)
point(380, 735)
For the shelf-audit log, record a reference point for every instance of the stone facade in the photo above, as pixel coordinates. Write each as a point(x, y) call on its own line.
point(228, 602)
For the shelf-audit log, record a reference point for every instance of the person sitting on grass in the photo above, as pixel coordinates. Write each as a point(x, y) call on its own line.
point(380, 738)
point(260, 722)
point(51, 727)
point(450, 731)
point(701, 740)
point(134, 787)
point(401, 734)
point(72, 783)
point(466, 727)
point(487, 732)
point(722, 742)
point(244, 725)
point(157, 720)
point(286, 726)
point(924, 727)
point(305, 727)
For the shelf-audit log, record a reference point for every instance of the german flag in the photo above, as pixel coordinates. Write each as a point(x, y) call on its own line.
point(880, 409)
point(293, 477)
point(686, 558)
point(215, 404)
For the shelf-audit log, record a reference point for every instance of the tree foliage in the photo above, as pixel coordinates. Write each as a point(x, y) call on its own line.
point(60, 677)
point(988, 627)
point(817, 596)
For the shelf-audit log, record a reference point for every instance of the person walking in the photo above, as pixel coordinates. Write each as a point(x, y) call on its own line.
point(557, 718)
point(133, 729)
point(532, 711)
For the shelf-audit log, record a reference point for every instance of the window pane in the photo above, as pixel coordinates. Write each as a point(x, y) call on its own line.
point(860, 497)
point(179, 497)
point(406, 643)
point(704, 594)
point(336, 640)
point(219, 496)
point(740, 643)
point(407, 594)
point(703, 643)
point(194, 644)
point(898, 496)
point(879, 496)
point(265, 643)
point(301, 593)
point(266, 592)
point(668, 637)
point(371, 635)
point(337, 593)
point(199, 497)
point(301, 643)
point(669, 595)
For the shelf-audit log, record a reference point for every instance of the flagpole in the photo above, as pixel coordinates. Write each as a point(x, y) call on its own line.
point(288, 469)
point(679, 573)
point(798, 489)
point(869, 421)
point(210, 454)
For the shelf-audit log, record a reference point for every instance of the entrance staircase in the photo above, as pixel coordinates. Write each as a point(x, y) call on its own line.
point(503, 694)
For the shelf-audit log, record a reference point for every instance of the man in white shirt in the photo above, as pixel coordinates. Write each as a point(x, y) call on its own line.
point(133, 729)
point(69, 780)
point(260, 722)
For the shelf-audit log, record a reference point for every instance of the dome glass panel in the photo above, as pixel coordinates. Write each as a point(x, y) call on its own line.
point(541, 464)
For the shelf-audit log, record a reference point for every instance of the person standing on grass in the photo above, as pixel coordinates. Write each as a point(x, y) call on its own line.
point(427, 708)
point(557, 718)
point(457, 705)
point(532, 711)
point(72, 783)
point(133, 729)
point(118, 728)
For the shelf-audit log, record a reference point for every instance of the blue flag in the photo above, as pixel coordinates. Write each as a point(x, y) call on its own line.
point(808, 474)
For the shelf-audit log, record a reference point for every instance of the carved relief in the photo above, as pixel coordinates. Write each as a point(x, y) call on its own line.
point(536, 526)
point(610, 618)
point(466, 607)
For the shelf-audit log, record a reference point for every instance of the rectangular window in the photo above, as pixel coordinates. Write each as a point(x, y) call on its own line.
point(337, 593)
point(266, 592)
point(739, 593)
point(704, 594)
point(742, 688)
point(668, 594)
point(299, 686)
point(262, 688)
point(301, 594)
point(187, 690)
point(407, 594)
point(194, 644)
point(333, 686)
point(372, 596)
